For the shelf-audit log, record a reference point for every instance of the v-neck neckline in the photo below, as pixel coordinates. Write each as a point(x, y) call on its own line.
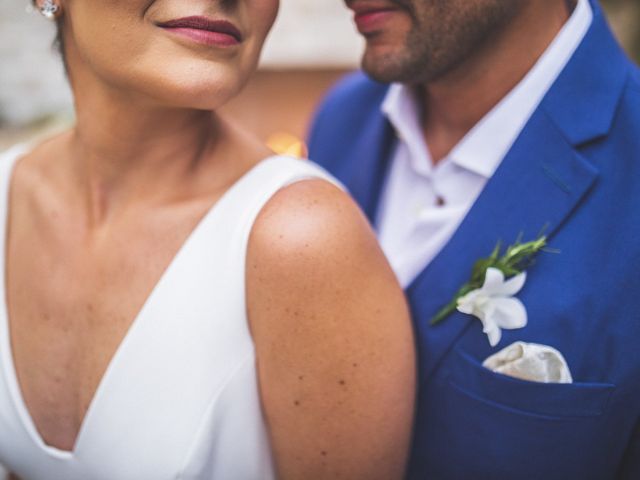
point(6, 354)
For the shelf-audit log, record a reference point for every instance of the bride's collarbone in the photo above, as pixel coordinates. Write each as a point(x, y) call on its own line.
point(71, 303)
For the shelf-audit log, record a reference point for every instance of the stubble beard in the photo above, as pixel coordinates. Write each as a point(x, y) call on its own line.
point(432, 50)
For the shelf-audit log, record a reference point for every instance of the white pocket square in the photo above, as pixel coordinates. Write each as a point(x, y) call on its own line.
point(532, 362)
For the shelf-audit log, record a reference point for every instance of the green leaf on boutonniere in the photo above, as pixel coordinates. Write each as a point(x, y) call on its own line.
point(515, 259)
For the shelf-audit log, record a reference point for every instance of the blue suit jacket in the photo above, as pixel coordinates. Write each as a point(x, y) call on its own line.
point(575, 169)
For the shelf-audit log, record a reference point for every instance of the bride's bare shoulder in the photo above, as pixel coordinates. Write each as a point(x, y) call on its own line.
point(312, 237)
point(44, 147)
point(39, 156)
point(332, 335)
point(310, 222)
point(36, 166)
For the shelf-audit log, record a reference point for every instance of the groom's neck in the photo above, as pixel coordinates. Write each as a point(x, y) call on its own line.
point(457, 101)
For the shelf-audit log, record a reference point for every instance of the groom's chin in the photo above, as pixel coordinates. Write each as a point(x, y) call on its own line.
point(387, 63)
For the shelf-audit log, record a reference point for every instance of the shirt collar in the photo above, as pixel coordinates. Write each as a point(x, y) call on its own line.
point(481, 151)
point(402, 107)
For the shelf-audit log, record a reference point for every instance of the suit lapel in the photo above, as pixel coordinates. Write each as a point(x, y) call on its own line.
point(540, 182)
point(535, 188)
point(584, 99)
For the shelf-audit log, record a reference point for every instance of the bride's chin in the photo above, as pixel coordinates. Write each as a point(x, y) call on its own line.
point(191, 95)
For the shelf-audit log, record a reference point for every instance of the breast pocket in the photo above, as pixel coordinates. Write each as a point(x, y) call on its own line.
point(546, 400)
point(480, 424)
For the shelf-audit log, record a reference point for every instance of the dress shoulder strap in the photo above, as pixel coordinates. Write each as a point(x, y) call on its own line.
point(252, 192)
point(231, 222)
point(279, 171)
point(8, 158)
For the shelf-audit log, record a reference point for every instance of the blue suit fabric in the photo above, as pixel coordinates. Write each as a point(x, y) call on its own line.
point(574, 171)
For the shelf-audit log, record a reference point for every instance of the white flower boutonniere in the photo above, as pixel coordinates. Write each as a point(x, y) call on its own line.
point(494, 304)
point(489, 294)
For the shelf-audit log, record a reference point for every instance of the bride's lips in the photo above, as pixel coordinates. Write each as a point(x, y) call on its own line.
point(219, 33)
point(371, 16)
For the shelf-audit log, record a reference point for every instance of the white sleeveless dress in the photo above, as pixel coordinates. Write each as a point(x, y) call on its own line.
point(179, 399)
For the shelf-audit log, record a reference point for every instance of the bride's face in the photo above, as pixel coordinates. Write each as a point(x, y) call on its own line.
point(183, 53)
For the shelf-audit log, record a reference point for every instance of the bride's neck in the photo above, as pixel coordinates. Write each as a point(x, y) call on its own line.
point(123, 149)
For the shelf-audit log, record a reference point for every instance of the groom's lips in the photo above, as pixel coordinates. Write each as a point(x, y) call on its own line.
point(371, 16)
point(204, 30)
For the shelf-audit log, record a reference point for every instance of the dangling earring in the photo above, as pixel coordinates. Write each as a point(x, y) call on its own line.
point(49, 9)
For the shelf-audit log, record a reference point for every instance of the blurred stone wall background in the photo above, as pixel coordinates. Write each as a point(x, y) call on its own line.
point(313, 43)
point(32, 84)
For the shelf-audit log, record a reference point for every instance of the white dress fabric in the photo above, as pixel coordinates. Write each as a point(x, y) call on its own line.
point(179, 399)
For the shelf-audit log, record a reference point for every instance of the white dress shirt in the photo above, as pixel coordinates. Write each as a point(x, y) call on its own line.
point(422, 205)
